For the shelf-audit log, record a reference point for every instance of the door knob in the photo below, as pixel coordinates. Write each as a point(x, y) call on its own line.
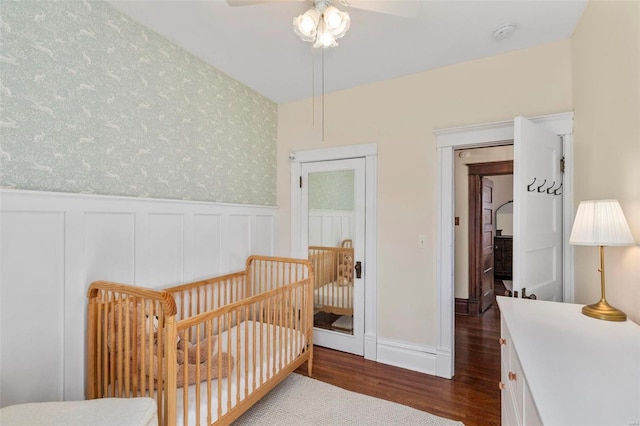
point(358, 269)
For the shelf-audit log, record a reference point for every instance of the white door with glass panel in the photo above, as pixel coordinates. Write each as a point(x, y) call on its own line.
point(333, 235)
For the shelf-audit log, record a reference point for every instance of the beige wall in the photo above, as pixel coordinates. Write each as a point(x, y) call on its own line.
point(606, 84)
point(399, 116)
point(461, 182)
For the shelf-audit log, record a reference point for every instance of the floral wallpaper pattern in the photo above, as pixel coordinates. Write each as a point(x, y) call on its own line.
point(93, 102)
point(331, 190)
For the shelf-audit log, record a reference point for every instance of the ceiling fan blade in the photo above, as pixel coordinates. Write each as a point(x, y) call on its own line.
point(235, 3)
point(402, 8)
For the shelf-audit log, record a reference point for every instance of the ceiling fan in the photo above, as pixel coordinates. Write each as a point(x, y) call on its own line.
point(324, 23)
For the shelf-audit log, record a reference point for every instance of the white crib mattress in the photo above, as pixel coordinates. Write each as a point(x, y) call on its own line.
point(234, 387)
point(333, 294)
point(97, 412)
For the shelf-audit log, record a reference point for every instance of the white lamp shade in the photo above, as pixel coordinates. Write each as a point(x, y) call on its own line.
point(600, 223)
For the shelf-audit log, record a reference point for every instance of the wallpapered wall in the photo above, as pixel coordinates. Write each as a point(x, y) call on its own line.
point(91, 101)
point(331, 190)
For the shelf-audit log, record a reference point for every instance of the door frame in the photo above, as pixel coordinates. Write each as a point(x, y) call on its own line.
point(476, 136)
point(476, 172)
point(370, 153)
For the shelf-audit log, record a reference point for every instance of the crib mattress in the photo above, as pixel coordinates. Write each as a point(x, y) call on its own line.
point(267, 363)
point(333, 294)
point(98, 412)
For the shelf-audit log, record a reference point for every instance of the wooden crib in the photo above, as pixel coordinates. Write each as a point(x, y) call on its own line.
point(205, 351)
point(333, 276)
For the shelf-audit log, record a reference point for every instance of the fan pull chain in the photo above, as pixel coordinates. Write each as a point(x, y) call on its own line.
point(322, 116)
point(313, 89)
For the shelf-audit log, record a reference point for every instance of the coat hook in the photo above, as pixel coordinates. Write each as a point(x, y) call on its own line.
point(549, 189)
point(530, 185)
point(541, 185)
point(552, 191)
point(556, 191)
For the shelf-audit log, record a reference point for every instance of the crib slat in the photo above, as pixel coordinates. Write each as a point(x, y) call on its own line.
point(93, 337)
point(219, 382)
point(185, 388)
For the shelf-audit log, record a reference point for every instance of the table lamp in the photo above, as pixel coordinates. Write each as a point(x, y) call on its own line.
point(601, 223)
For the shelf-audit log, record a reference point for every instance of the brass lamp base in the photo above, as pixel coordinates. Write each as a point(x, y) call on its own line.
point(603, 311)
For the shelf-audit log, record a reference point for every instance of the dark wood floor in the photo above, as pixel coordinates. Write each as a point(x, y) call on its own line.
point(472, 396)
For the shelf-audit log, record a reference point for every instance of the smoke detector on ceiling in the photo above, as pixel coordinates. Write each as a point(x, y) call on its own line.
point(504, 31)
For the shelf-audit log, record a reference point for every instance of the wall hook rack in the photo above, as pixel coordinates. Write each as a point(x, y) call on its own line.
point(551, 190)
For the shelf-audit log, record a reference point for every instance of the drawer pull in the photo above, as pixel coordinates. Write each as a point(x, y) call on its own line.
point(501, 386)
point(502, 341)
point(512, 376)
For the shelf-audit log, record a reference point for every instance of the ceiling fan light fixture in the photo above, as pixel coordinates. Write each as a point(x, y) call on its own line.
point(322, 25)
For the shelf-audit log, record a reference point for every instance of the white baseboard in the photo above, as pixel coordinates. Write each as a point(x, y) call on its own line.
point(444, 364)
point(421, 358)
point(370, 347)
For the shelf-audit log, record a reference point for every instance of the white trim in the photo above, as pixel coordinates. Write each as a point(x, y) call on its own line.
point(499, 131)
point(334, 153)
point(371, 267)
point(489, 134)
point(370, 153)
point(421, 358)
point(58, 196)
point(567, 219)
point(445, 312)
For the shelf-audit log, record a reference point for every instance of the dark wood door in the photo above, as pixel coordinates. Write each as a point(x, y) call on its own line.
point(486, 270)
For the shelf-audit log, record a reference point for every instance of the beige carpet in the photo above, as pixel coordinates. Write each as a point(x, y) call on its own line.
point(299, 400)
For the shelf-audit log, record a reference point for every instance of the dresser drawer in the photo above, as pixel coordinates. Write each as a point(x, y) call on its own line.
point(513, 384)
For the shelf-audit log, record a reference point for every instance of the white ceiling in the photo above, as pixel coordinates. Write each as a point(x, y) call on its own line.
point(256, 44)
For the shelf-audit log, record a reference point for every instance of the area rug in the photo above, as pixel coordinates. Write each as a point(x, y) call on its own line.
point(299, 400)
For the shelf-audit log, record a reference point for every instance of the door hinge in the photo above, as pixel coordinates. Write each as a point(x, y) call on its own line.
point(562, 165)
point(300, 181)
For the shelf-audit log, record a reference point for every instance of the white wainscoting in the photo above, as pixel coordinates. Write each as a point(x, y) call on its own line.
point(328, 228)
point(53, 245)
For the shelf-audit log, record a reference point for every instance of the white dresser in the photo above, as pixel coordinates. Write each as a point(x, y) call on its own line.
point(560, 367)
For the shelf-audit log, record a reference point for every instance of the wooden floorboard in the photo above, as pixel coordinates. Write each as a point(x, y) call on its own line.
point(472, 396)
